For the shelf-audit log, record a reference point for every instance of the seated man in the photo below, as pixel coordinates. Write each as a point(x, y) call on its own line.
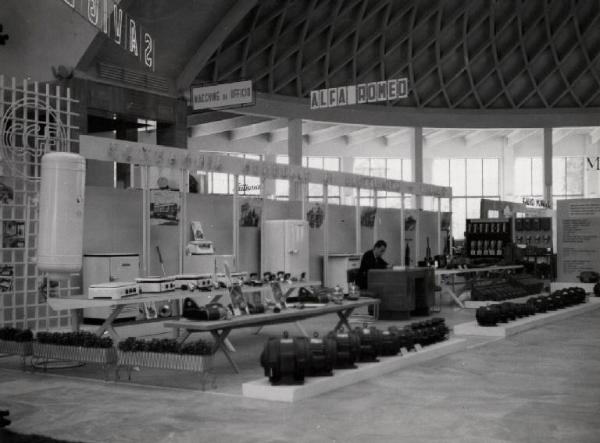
point(371, 260)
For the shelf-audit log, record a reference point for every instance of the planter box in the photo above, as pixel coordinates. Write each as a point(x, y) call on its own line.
point(158, 360)
point(16, 348)
point(103, 356)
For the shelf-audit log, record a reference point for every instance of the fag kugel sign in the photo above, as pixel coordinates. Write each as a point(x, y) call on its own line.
point(356, 94)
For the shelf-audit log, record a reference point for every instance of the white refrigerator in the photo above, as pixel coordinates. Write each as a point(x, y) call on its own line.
point(284, 247)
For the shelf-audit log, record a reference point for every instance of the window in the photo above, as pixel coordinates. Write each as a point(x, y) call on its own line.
point(471, 180)
point(567, 178)
point(222, 183)
point(529, 178)
point(392, 168)
point(315, 190)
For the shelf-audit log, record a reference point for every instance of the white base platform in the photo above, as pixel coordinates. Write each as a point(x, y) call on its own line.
point(523, 324)
point(314, 386)
point(471, 304)
point(555, 286)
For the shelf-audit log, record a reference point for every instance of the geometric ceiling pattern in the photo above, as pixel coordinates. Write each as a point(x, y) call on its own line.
point(456, 54)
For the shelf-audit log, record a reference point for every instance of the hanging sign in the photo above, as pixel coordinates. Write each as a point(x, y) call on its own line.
point(225, 95)
point(121, 28)
point(361, 93)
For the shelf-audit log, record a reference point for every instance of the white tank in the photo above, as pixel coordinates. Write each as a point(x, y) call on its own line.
point(60, 239)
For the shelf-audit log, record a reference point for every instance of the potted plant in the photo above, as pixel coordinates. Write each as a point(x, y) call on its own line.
point(166, 354)
point(14, 341)
point(81, 346)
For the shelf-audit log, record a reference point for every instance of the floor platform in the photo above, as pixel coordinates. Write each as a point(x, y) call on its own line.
point(555, 286)
point(523, 324)
point(313, 386)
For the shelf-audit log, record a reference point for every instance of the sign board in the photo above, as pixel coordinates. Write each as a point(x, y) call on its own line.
point(224, 95)
point(361, 93)
point(578, 238)
point(121, 28)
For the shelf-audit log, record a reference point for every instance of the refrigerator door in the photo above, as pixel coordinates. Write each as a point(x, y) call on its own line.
point(296, 247)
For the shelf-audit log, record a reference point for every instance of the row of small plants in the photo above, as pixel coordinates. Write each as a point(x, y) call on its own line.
point(165, 345)
point(89, 340)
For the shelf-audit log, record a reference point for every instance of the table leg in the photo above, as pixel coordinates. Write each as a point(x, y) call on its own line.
point(301, 329)
point(220, 338)
point(343, 315)
point(76, 315)
point(183, 336)
point(108, 324)
point(450, 292)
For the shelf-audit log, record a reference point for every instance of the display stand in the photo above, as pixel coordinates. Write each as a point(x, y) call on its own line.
point(523, 324)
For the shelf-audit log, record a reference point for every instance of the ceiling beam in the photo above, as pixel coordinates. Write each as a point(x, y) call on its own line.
point(280, 135)
point(439, 136)
point(218, 126)
point(258, 128)
point(397, 136)
point(519, 135)
point(477, 136)
point(560, 134)
point(208, 117)
point(366, 134)
point(210, 44)
point(330, 133)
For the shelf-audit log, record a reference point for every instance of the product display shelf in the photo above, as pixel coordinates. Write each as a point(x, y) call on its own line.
point(523, 324)
point(313, 386)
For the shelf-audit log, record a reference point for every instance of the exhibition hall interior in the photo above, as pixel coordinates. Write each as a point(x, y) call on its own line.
point(299, 220)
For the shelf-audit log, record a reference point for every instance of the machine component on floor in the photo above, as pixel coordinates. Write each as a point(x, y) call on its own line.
point(371, 340)
point(285, 360)
point(429, 331)
point(347, 346)
point(597, 289)
point(321, 356)
point(155, 284)
point(404, 336)
point(487, 315)
point(589, 277)
point(390, 343)
point(211, 311)
point(113, 290)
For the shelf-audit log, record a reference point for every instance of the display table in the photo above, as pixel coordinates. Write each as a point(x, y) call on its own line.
point(77, 304)
point(448, 285)
point(220, 329)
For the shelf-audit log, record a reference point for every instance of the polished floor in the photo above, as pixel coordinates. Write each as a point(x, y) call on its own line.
point(539, 386)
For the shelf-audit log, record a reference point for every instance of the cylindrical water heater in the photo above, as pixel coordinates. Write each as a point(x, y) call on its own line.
point(60, 240)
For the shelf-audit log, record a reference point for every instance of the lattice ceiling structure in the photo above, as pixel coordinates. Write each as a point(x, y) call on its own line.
point(471, 55)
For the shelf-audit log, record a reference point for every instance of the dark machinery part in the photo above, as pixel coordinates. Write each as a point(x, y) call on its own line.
point(347, 346)
point(285, 360)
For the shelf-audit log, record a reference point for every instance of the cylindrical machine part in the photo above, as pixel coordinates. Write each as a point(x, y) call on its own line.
point(60, 240)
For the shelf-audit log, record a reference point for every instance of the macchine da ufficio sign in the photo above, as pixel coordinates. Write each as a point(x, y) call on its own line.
point(224, 95)
point(361, 93)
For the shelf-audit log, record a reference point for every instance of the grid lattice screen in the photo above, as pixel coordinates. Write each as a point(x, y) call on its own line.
point(34, 119)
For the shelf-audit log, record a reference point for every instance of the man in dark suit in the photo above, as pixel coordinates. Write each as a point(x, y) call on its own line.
point(371, 260)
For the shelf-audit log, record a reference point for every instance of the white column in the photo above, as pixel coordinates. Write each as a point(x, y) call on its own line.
point(416, 155)
point(547, 162)
point(507, 191)
point(295, 154)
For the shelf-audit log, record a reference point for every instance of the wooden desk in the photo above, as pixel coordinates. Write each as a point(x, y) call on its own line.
point(220, 329)
point(449, 286)
point(78, 303)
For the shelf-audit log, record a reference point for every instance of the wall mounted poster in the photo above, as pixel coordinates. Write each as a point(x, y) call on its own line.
point(164, 207)
point(578, 238)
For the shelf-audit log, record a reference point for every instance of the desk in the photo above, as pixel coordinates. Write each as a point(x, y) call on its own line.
point(449, 287)
point(78, 303)
point(220, 329)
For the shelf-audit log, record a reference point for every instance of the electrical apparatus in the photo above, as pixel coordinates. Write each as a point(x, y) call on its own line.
point(200, 247)
point(190, 281)
point(284, 247)
point(155, 284)
point(113, 290)
point(100, 268)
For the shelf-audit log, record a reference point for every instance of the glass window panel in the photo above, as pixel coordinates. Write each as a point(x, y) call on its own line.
point(459, 216)
point(366, 201)
point(219, 183)
point(473, 207)
point(574, 179)
point(445, 206)
point(331, 163)
point(441, 172)
point(406, 169)
point(282, 188)
point(428, 203)
point(366, 192)
point(474, 176)
point(315, 190)
point(559, 180)
point(305, 162)
point(282, 159)
point(394, 168)
point(522, 176)
point(361, 166)
point(315, 162)
point(378, 167)
point(252, 156)
point(457, 176)
point(253, 185)
point(537, 176)
point(333, 191)
point(408, 202)
point(491, 172)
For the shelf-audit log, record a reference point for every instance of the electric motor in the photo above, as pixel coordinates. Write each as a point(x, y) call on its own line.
point(285, 359)
point(370, 343)
point(347, 346)
point(321, 355)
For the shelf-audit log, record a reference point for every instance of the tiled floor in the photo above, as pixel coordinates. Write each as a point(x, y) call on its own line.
point(542, 385)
